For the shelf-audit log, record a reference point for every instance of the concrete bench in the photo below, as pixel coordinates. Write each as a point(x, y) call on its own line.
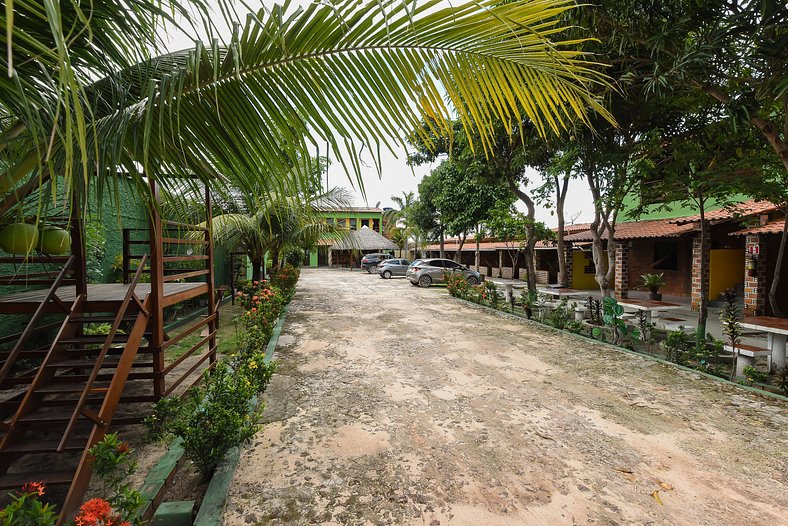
point(747, 355)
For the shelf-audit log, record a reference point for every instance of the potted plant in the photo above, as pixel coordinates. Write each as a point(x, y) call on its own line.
point(653, 282)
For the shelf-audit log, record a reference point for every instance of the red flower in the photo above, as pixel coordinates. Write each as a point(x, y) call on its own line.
point(93, 511)
point(34, 488)
point(123, 448)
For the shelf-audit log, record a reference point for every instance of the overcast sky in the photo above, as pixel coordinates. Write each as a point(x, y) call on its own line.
point(397, 177)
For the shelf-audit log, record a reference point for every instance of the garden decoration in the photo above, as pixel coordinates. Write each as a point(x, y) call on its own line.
point(653, 282)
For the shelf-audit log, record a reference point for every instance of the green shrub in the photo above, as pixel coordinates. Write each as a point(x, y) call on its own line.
point(216, 417)
point(754, 375)
point(679, 346)
point(781, 380)
point(25, 508)
point(113, 467)
point(560, 315)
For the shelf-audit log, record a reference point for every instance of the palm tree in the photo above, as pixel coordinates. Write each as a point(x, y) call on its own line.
point(275, 225)
point(288, 77)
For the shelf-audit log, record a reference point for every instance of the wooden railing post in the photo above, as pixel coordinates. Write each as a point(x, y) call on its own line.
point(126, 254)
point(78, 249)
point(213, 324)
point(157, 294)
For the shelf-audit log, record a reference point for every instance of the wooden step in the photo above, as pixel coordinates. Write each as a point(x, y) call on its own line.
point(52, 420)
point(64, 388)
point(88, 363)
point(38, 447)
point(17, 480)
point(102, 319)
point(97, 339)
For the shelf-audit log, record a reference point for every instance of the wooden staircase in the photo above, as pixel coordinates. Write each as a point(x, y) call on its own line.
point(67, 401)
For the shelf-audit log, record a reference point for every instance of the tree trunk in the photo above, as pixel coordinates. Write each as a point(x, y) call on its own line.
point(529, 232)
point(703, 308)
point(776, 307)
point(563, 276)
point(458, 254)
point(257, 269)
point(477, 258)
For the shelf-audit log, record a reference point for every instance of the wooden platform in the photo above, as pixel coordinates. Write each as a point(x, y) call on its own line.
point(101, 296)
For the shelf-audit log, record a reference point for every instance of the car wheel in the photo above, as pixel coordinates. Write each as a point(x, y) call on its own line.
point(425, 281)
point(387, 274)
point(472, 280)
point(372, 269)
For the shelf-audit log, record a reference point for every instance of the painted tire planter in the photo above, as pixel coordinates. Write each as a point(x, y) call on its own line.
point(54, 241)
point(19, 238)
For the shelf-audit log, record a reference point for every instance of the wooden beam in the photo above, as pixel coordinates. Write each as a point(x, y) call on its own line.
point(156, 295)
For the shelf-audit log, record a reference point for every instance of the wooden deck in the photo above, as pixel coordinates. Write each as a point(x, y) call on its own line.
point(101, 296)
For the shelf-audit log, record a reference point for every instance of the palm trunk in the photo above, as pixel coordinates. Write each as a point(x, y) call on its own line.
point(257, 269)
point(442, 242)
point(775, 305)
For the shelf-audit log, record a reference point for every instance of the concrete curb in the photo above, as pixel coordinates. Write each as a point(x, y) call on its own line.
point(522, 319)
point(212, 506)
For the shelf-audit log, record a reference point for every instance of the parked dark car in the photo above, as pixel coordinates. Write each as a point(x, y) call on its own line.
point(370, 262)
point(428, 271)
point(393, 267)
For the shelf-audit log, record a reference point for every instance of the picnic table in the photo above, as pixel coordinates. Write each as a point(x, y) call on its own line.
point(776, 330)
point(649, 306)
point(562, 292)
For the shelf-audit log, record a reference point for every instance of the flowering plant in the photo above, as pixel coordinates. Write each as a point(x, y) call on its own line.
point(98, 512)
point(25, 508)
point(286, 278)
point(113, 466)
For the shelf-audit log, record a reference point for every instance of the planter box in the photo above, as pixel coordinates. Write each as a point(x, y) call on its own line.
point(507, 273)
point(543, 277)
point(484, 271)
point(496, 272)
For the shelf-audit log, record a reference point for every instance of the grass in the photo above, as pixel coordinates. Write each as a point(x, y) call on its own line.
point(225, 336)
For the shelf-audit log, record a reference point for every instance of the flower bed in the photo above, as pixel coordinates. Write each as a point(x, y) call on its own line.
point(607, 325)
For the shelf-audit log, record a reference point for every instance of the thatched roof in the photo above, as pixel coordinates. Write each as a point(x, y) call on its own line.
point(364, 239)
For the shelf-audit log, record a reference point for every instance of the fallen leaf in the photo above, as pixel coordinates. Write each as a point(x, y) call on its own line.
point(666, 486)
point(630, 477)
point(655, 494)
point(623, 469)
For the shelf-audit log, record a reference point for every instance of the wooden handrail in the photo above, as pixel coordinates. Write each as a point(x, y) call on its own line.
point(184, 226)
point(31, 325)
point(102, 355)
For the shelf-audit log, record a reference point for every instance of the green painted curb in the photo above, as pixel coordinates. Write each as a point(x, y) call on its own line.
point(158, 477)
point(621, 349)
point(212, 507)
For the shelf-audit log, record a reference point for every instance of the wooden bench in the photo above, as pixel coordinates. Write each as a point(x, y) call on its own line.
point(747, 355)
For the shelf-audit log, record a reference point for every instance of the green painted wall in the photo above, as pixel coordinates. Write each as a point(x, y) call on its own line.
point(670, 210)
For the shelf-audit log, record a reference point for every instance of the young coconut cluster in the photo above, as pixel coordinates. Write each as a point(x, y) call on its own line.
point(23, 238)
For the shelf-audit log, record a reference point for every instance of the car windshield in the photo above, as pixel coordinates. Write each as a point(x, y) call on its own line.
point(416, 262)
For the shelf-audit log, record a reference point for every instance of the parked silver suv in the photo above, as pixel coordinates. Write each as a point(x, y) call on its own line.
point(425, 272)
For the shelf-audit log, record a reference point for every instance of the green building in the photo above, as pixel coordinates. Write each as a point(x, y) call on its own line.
point(352, 218)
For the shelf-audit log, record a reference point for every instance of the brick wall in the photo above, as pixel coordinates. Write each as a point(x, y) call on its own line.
point(543, 277)
point(568, 258)
point(622, 270)
point(641, 261)
point(755, 291)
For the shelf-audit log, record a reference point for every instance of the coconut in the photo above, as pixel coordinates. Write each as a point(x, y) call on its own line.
point(19, 238)
point(54, 241)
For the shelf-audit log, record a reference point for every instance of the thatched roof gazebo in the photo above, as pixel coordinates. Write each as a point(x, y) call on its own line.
point(365, 240)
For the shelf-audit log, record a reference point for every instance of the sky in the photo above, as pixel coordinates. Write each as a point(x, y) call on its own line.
point(397, 177)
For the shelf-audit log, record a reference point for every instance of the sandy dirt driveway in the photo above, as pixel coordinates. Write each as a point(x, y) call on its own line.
point(399, 405)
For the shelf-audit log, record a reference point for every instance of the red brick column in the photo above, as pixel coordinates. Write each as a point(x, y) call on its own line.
point(622, 270)
point(755, 292)
point(697, 279)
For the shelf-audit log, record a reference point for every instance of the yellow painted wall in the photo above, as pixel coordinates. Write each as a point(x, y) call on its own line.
point(726, 269)
point(580, 280)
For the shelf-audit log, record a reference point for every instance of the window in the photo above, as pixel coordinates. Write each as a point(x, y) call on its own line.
point(342, 222)
point(352, 223)
point(666, 255)
point(376, 225)
point(330, 220)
